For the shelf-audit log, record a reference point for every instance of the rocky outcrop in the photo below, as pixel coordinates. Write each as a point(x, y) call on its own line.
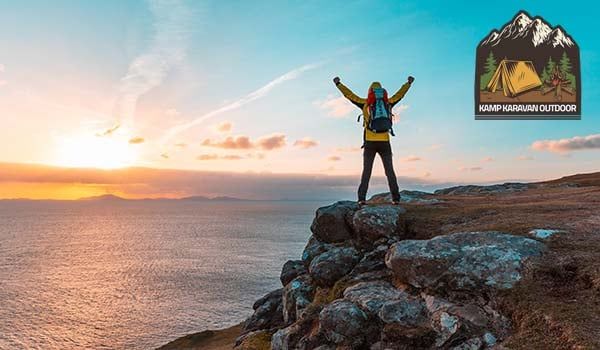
point(361, 284)
point(374, 222)
point(406, 197)
point(508, 187)
point(332, 223)
point(471, 260)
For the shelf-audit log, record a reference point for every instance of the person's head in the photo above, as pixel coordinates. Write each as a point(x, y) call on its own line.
point(374, 85)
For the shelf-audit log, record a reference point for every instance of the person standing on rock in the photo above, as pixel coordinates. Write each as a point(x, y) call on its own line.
point(377, 124)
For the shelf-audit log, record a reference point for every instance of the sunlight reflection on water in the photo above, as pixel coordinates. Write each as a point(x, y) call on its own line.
point(134, 275)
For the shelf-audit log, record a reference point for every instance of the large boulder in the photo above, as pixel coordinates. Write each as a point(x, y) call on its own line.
point(344, 323)
point(333, 264)
point(463, 261)
point(508, 187)
point(268, 312)
point(371, 261)
point(372, 295)
point(297, 295)
point(314, 248)
point(406, 197)
point(292, 269)
point(374, 222)
point(406, 311)
point(332, 223)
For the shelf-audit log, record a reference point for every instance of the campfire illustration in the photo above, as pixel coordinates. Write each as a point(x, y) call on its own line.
point(557, 83)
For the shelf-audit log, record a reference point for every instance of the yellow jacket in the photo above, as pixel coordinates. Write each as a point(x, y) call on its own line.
point(362, 104)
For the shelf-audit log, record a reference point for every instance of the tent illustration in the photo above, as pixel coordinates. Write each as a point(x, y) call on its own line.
point(514, 77)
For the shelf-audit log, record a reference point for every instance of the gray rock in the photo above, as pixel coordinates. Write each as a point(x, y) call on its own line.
point(333, 264)
point(268, 312)
point(509, 187)
point(406, 197)
point(374, 222)
point(313, 248)
point(297, 295)
point(408, 312)
point(292, 269)
point(372, 295)
point(446, 326)
point(471, 344)
point(344, 323)
point(472, 260)
point(331, 223)
point(371, 261)
point(543, 233)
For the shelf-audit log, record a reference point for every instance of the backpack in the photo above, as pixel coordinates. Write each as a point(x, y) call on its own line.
point(380, 112)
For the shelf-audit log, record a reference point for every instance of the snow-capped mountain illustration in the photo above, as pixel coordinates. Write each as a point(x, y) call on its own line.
point(525, 29)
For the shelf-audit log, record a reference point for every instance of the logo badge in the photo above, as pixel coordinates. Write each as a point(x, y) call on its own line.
point(528, 70)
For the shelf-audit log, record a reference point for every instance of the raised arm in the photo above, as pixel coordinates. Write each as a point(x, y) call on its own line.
point(351, 96)
point(400, 94)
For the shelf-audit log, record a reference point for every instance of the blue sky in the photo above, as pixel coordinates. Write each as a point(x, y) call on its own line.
point(71, 69)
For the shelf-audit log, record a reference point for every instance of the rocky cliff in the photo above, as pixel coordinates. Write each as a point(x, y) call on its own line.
point(508, 266)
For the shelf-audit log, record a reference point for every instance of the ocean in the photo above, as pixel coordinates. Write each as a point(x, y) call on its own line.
point(137, 274)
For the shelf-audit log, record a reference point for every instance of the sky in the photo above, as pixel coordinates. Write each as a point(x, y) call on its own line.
point(243, 89)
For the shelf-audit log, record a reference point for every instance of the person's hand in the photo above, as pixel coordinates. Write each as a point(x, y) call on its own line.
point(410, 79)
point(336, 80)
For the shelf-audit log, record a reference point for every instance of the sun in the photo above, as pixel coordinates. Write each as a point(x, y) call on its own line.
point(91, 151)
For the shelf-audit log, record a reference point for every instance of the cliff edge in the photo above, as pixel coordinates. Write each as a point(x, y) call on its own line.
point(511, 266)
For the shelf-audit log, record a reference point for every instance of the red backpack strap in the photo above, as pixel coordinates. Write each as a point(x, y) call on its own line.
point(371, 97)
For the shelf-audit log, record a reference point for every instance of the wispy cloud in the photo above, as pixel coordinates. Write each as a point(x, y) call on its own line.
point(562, 146)
point(2, 68)
point(411, 158)
point(487, 159)
point(475, 168)
point(224, 127)
point(108, 131)
point(334, 158)
point(524, 158)
point(167, 49)
point(267, 143)
point(305, 143)
point(337, 107)
point(253, 96)
point(136, 140)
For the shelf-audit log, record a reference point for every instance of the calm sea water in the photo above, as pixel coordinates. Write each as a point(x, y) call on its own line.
point(135, 275)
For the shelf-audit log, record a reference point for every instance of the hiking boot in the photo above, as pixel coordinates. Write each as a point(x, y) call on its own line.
point(361, 203)
point(395, 202)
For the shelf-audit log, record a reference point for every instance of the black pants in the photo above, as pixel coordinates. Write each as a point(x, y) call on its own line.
point(385, 152)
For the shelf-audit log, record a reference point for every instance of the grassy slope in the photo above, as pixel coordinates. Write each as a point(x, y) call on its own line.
point(557, 304)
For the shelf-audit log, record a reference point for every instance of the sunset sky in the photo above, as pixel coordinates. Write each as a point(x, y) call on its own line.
point(241, 92)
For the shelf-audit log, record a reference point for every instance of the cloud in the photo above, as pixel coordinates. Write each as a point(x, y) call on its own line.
point(109, 131)
point(487, 159)
point(524, 158)
point(165, 156)
point(348, 149)
point(223, 127)
point(181, 145)
point(271, 142)
point(136, 140)
point(576, 143)
point(398, 111)
point(2, 68)
point(436, 146)
point(305, 143)
point(230, 142)
point(334, 158)
point(217, 157)
point(267, 143)
point(411, 158)
point(254, 95)
point(337, 107)
point(167, 49)
point(146, 182)
point(475, 168)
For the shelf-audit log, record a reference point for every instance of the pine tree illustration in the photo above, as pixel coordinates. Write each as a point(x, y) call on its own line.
point(566, 67)
point(489, 70)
